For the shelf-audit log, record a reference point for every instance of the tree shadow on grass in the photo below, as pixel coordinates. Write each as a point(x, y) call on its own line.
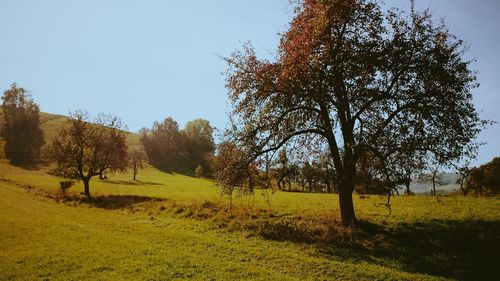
point(465, 250)
point(131, 182)
point(32, 165)
point(115, 202)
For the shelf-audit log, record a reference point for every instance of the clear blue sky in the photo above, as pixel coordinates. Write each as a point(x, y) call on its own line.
point(144, 60)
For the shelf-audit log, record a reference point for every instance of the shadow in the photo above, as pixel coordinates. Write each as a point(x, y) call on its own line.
point(177, 169)
point(131, 182)
point(464, 250)
point(115, 202)
point(29, 165)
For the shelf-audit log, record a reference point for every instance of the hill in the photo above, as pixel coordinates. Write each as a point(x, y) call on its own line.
point(50, 123)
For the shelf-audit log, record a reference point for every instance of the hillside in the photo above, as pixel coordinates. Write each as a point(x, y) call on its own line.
point(50, 123)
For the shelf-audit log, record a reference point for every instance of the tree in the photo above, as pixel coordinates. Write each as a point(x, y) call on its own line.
point(137, 160)
point(21, 126)
point(355, 75)
point(485, 178)
point(170, 149)
point(327, 172)
point(409, 167)
point(282, 170)
point(200, 144)
point(114, 154)
point(432, 173)
point(229, 171)
point(162, 144)
point(463, 172)
point(81, 149)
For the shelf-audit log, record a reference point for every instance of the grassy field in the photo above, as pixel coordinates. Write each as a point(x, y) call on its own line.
point(170, 226)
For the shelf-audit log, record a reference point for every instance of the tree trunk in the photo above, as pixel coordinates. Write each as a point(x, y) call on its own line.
point(464, 191)
point(135, 173)
point(408, 191)
point(86, 187)
point(433, 187)
point(289, 185)
point(346, 188)
point(346, 204)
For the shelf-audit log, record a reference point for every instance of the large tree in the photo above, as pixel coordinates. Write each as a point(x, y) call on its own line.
point(20, 126)
point(82, 148)
point(356, 76)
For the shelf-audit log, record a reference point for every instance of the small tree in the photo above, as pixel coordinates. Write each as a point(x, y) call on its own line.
point(21, 125)
point(137, 160)
point(282, 170)
point(432, 172)
point(463, 172)
point(81, 147)
point(230, 170)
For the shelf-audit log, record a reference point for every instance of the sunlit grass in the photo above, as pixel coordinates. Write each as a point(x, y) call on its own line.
point(167, 226)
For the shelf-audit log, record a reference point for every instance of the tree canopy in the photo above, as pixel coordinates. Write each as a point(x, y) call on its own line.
point(172, 149)
point(485, 179)
point(362, 79)
point(20, 126)
point(81, 148)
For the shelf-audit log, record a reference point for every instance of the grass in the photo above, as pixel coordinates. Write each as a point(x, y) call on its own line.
point(170, 226)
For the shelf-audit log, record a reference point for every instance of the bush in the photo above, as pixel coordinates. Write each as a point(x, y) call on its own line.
point(64, 186)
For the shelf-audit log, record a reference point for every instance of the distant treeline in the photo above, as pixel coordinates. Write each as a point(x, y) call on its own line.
point(171, 149)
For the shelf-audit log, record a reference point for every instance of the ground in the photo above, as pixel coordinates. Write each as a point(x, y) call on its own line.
point(170, 226)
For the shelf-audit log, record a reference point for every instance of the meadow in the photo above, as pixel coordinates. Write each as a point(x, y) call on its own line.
point(169, 226)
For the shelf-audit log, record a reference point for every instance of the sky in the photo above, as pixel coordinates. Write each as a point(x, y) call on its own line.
point(144, 60)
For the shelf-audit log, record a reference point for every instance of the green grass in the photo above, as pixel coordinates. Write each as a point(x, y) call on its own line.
point(168, 226)
point(171, 226)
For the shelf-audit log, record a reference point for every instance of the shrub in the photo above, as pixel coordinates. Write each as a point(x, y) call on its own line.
point(64, 186)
